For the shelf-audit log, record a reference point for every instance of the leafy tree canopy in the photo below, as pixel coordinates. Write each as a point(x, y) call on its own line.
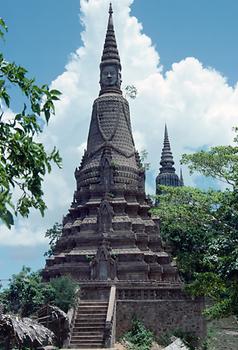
point(27, 292)
point(23, 160)
point(220, 162)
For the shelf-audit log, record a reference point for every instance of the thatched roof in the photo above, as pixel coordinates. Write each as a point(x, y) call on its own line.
point(24, 331)
point(53, 312)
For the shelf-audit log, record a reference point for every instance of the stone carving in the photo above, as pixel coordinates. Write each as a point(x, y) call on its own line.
point(103, 266)
point(106, 171)
point(104, 217)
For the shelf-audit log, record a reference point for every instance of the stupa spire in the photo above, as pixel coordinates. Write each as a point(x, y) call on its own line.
point(167, 175)
point(167, 161)
point(110, 66)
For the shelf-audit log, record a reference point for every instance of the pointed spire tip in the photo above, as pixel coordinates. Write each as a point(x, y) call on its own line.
point(166, 135)
point(110, 9)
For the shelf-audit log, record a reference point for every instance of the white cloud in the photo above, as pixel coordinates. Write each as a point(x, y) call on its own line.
point(21, 235)
point(200, 108)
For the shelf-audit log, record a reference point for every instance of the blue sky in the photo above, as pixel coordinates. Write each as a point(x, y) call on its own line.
point(43, 34)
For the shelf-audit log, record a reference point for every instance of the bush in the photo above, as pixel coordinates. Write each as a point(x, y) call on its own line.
point(140, 337)
point(63, 292)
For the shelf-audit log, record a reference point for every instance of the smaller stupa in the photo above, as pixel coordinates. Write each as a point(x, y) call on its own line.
point(167, 175)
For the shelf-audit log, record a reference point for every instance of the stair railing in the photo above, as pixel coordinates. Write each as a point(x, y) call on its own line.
point(110, 326)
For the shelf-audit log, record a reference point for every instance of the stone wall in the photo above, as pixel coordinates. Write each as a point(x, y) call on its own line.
point(162, 316)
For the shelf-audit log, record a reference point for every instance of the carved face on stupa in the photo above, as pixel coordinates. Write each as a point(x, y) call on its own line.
point(109, 75)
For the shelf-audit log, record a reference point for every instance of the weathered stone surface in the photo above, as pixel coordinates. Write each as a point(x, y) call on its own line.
point(177, 345)
point(162, 316)
point(156, 346)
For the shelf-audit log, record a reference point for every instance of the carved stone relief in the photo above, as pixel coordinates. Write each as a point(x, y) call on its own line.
point(104, 217)
point(103, 266)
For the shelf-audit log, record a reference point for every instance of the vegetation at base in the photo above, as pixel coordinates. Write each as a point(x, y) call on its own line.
point(201, 229)
point(27, 292)
point(139, 337)
point(24, 160)
point(64, 289)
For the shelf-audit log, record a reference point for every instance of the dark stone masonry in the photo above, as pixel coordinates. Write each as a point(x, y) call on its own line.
point(109, 237)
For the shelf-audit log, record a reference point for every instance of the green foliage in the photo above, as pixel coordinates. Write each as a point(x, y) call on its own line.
point(201, 230)
point(23, 160)
point(219, 162)
point(3, 28)
point(140, 337)
point(64, 289)
point(143, 156)
point(53, 234)
point(187, 220)
point(27, 292)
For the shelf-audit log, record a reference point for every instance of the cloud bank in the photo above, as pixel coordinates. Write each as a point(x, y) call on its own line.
point(196, 102)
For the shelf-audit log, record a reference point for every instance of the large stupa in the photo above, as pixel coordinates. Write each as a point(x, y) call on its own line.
point(109, 237)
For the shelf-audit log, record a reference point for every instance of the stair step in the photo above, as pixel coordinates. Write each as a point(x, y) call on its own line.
point(91, 312)
point(97, 313)
point(86, 341)
point(86, 346)
point(91, 319)
point(86, 334)
point(92, 308)
point(93, 302)
point(95, 306)
point(92, 305)
point(89, 323)
point(83, 312)
point(90, 328)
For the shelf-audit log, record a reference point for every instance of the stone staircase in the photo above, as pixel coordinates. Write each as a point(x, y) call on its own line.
point(89, 325)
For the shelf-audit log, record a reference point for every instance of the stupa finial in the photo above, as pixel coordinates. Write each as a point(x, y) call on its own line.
point(167, 161)
point(110, 67)
point(110, 9)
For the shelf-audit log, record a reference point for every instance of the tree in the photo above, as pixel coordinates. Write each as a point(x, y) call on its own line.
point(23, 160)
point(64, 292)
point(219, 162)
point(201, 229)
point(195, 225)
point(27, 292)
